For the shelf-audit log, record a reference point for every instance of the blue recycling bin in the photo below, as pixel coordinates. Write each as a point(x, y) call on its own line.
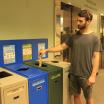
point(55, 80)
point(37, 82)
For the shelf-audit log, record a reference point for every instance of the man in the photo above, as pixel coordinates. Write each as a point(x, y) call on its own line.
point(85, 46)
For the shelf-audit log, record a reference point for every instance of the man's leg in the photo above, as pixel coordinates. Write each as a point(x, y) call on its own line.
point(89, 101)
point(77, 99)
point(87, 90)
point(75, 89)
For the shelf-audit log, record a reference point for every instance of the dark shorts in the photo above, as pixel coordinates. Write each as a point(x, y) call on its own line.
point(77, 83)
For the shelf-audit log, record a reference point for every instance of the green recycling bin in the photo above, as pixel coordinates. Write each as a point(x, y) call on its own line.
point(55, 81)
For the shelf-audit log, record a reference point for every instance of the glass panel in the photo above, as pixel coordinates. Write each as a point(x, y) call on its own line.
point(9, 54)
point(27, 52)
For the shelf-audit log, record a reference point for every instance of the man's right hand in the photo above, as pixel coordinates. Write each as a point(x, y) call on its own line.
point(42, 52)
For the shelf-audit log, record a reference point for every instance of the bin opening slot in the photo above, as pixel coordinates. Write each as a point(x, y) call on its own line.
point(23, 69)
point(55, 61)
point(43, 65)
point(4, 74)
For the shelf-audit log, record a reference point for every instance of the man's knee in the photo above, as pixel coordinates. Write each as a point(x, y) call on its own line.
point(77, 95)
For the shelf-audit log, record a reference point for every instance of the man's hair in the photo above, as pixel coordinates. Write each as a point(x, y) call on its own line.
point(85, 13)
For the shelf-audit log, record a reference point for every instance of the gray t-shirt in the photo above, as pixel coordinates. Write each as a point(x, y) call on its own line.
point(83, 46)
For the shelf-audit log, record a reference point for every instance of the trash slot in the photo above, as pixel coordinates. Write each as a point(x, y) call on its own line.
point(4, 74)
point(23, 69)
point(55, 61)
point(42, 65)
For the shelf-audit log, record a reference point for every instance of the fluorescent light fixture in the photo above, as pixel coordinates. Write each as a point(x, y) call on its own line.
point(69, 3)
point(102, 14)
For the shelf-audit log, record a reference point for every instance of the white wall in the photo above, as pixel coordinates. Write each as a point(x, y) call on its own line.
point(23, 19)
point(26, 19)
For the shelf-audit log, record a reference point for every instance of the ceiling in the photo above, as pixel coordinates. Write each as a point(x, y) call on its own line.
point(94, 4)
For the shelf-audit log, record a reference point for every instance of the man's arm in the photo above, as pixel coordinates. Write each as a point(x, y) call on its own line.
point(57, 48)
point(95, 59)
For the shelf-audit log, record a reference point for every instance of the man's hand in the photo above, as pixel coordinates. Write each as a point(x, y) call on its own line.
point(91, 80)
point(42, 52)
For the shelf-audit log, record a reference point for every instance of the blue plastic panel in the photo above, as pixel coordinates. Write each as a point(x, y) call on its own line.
point(18, 48)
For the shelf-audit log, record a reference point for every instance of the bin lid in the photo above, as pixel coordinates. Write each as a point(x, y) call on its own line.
point(25, 70)
point(45, 66)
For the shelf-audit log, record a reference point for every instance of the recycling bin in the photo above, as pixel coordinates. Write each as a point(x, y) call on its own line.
point(55, 80)
point(66, 67)
point(37, 82)
point(13, 88)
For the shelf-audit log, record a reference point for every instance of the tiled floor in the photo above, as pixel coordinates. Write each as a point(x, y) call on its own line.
point(98, 91)
point(99, 88)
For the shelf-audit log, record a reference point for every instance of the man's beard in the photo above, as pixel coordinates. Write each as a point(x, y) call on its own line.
point(81, 27)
